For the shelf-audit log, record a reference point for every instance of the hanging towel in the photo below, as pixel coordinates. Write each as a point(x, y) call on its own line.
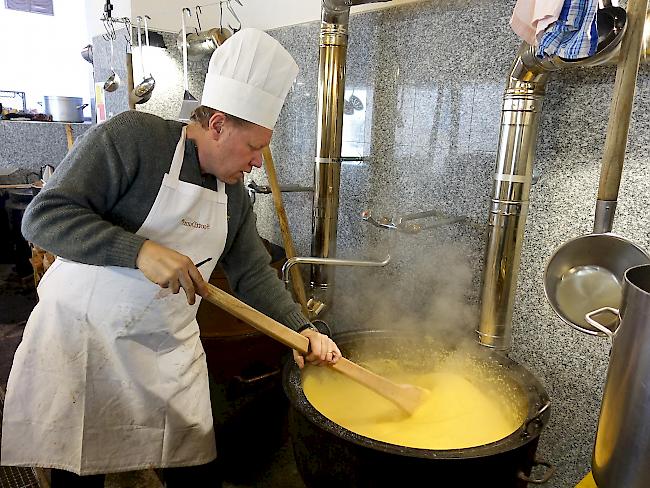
point(574, 35)
point(530, 18)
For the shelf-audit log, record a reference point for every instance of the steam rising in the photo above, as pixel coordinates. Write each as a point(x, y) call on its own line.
point(429, 288)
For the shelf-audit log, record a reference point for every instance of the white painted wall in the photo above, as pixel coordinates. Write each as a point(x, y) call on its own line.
point(41, 53)
point(263, 14)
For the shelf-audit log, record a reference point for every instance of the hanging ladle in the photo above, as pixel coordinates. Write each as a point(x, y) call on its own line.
point(406, 397)
point(586, 273)
point(189, 101)
point(142, 92)
point(113, 81)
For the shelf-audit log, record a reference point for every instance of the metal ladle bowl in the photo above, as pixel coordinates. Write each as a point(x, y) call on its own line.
point(142, 92)
point(586, 273)
point(112, 83)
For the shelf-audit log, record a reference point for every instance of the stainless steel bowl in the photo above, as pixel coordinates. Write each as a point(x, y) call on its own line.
point(586, 274)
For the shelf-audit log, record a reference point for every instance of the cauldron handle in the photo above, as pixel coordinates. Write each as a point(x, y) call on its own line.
point(538, 481)
point(535, 417)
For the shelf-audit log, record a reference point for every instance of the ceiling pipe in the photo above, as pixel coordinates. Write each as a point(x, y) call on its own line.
point(335, 16)
point(520, 113)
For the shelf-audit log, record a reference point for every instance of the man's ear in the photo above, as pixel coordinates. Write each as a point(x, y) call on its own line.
point(216, 122)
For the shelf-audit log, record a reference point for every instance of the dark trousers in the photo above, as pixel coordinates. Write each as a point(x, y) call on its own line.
point(205, 475)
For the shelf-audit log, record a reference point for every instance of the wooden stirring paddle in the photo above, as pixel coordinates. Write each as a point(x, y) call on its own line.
point(406, 397)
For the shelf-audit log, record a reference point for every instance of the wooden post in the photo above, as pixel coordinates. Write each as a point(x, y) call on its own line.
point(621, 108)
point(68, 135)
point(296, 277)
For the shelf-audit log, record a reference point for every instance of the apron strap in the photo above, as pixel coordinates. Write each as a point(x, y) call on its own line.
point(177, 161)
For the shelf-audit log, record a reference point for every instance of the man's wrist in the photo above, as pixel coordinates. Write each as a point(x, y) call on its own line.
point(308, 326)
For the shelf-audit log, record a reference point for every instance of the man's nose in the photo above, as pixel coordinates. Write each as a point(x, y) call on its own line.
point(257, 160)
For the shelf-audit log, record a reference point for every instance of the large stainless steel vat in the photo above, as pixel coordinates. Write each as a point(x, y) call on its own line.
point(622, 446)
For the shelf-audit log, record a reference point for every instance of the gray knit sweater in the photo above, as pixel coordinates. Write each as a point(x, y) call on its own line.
point(103, 190)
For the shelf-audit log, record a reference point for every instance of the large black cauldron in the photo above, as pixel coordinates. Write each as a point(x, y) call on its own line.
point(329, 455)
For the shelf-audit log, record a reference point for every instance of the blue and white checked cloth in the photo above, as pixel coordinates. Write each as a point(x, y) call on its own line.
point(574, 35)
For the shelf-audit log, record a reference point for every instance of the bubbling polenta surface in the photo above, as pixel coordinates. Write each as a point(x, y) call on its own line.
point(459, 412)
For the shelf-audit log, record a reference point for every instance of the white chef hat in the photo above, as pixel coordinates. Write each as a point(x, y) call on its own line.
point(249, 77)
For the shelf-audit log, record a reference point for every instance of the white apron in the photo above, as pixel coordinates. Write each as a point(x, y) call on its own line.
point(109, 376)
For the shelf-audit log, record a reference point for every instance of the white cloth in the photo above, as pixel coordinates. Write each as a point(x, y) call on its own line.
point(249, 77)
point(530, 18)
point(109, 376)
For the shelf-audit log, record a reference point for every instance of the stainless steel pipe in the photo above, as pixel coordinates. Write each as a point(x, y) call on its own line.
point(522, 104)
point(327, 169)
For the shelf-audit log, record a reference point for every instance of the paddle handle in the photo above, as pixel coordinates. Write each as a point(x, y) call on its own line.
point(258, 320)
point(68, 136)
point(284, 334)
point(17, 186)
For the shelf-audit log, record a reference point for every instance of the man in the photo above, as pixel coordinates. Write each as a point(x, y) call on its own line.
point(110, 375)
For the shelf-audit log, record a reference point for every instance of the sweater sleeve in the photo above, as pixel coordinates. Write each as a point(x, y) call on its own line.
point(68, 216)
point(251, 277)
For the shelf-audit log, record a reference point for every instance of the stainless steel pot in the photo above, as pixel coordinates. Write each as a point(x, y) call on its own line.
point(65, 109)
point(622, 446)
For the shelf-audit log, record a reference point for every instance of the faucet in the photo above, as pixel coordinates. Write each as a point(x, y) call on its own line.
point(314, 306)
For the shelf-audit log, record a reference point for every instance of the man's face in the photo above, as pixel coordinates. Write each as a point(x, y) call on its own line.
point(234, 149)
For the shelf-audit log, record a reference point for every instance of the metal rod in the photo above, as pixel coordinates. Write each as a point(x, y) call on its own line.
point(327, 262)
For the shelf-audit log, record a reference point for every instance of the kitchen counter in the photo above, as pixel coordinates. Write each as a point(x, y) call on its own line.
point(28, 145)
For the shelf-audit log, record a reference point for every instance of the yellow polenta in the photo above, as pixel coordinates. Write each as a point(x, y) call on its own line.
point(456, 414)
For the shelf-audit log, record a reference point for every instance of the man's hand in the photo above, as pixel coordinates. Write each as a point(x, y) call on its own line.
point(170, 269)
point(323, 351)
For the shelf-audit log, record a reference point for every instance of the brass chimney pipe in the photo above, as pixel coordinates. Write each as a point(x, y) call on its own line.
point(521, 109)
point(335, 16)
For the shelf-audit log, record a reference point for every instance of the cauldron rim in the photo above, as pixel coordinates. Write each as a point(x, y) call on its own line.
point(529, 430)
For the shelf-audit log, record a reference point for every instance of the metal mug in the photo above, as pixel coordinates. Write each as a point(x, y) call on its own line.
point(622, 447)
